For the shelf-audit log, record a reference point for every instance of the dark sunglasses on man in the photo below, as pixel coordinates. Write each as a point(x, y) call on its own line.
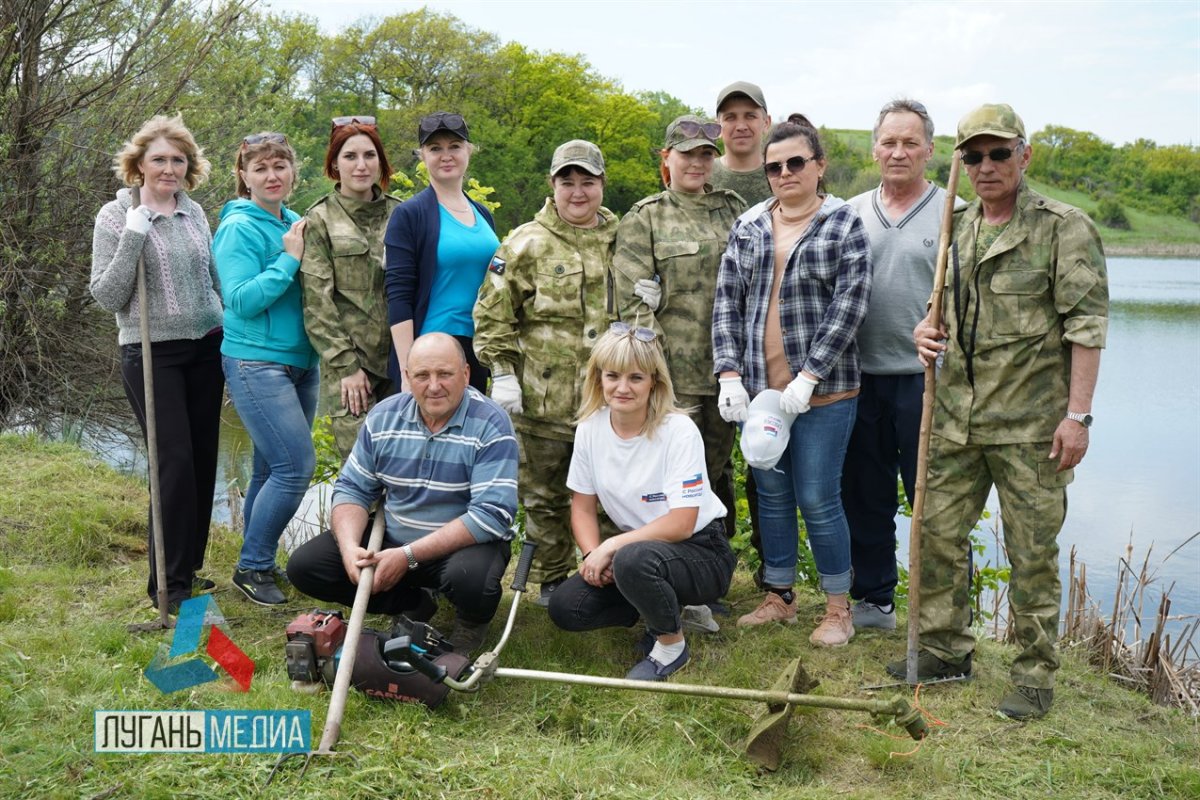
point(973, 158)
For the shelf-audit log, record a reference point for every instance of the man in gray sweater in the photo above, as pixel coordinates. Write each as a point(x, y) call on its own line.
point(903, 219)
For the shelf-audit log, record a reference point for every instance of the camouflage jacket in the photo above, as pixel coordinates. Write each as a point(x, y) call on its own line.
point(345, 307)
point(679, 238)
point(545, 300)
point(1012, 318)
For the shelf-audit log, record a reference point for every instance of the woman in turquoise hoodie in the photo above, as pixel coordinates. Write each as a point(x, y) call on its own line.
point(270, 367)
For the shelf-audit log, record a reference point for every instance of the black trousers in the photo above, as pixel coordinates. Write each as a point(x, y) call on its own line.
point(884, 443)
point(469, 578)
point(189, 387)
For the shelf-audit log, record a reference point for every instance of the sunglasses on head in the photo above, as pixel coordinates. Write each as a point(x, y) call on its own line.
point(690, 128)
point(794, 165)
point(625, 329)
point(341, 122)
point(973, 157)
point(452, 122)
point(259, 138)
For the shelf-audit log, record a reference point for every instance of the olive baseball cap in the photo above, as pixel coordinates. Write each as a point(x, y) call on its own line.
point(990, 119)
point(690, 132)
point(577, 153)
point(742, 89)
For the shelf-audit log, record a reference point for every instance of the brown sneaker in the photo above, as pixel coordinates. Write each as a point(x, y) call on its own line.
point(772, 609)
point(835, 628)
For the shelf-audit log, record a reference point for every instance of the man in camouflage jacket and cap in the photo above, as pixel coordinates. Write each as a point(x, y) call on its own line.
point(545, 301)
point(1025, 317)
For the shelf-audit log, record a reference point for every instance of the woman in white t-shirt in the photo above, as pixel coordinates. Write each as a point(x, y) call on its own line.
point(642, 459)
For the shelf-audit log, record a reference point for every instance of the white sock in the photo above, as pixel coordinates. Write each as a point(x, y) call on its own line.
point(666, 653)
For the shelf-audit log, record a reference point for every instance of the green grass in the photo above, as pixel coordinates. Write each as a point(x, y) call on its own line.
point(65, 652)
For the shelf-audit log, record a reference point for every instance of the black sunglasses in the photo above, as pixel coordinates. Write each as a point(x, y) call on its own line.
point(794, 165)
point(973, 157)
point(625, 329)
point(451, 122)
point(259, 138)
point(691, 128)
point(341, 122)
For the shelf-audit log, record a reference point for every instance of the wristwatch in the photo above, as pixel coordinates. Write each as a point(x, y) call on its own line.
point(1082, 418)
point(412, 560)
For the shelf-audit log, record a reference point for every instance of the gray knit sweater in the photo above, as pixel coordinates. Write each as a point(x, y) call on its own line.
point(181, 277)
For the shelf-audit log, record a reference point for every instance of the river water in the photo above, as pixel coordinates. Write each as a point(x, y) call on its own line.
point(1140, 481)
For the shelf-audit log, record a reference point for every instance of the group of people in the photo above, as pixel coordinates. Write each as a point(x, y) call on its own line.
point(622, 358)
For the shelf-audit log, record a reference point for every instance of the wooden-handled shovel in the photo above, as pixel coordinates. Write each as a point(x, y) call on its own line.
point(914, 539)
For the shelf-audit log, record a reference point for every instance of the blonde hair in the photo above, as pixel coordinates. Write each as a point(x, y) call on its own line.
point(623, 352)
point(125, 163)
point(264, 149)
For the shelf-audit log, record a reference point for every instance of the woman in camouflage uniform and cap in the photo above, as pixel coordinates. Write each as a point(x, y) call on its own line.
point(546, 299)
point(669, 249)
point(345, 306)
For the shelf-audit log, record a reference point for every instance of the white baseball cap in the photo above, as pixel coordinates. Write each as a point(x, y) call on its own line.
point(766, 431)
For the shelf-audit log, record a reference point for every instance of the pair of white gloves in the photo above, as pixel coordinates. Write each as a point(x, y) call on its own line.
point(138, 219)
point(734, 401)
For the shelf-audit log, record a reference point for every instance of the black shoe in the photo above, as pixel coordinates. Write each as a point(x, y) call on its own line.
point(467, 637)
point(543, 598)
point(931, 668)
point(1026, 702)
point(425, 609)
point(280, 576)
point(200, 585)
point(259, 586)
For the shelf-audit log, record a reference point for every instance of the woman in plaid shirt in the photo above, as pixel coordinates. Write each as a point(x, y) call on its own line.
point(792, 291)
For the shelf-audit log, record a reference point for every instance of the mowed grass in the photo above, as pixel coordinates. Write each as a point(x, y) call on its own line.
point(65, 652)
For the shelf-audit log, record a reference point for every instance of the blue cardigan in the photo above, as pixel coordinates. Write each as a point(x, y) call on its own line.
point(411, 261)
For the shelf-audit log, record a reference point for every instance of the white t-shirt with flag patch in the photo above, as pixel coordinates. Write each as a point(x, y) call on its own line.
point(638, 480)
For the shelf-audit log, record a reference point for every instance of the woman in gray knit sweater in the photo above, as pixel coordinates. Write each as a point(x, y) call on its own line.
point(171, 233)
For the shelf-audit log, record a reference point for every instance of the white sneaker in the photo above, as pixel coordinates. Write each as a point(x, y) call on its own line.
point(698, 619)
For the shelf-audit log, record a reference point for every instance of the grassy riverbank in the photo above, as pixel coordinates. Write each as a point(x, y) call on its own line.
point(73, 578)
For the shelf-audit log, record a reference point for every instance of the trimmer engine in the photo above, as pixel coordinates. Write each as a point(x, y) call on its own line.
point(314, 646)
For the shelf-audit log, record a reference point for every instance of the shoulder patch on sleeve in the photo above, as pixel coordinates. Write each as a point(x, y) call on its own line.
point(497, 266)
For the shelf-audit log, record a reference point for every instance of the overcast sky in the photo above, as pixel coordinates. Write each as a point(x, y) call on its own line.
point(1123, 70)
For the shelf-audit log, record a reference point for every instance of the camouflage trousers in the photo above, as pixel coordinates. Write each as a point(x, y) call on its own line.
point(1033, 505)
point(718, 438)
point(342, 423)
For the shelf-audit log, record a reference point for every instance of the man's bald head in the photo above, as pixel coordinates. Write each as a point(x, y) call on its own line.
point(438, 375)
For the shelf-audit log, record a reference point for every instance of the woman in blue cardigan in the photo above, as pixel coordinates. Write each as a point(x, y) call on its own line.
point(438, 248)
point(270, 367)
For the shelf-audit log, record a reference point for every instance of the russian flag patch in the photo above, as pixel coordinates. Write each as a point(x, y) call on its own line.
point(497, 266)
point(694, 481)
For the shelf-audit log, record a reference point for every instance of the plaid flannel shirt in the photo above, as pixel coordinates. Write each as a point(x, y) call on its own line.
point(822, 299)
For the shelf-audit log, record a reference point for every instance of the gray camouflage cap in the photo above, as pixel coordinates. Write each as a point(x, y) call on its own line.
point(742, 89)
point(577, 153)
point(990, 119)
point(689, 132)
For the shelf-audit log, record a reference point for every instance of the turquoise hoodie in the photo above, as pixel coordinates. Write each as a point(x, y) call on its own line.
point(263, 316)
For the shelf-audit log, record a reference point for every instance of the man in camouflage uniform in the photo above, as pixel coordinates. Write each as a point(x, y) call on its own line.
point(676, 239)
point(545, 301)
point(1026, 314)
point(345, 305)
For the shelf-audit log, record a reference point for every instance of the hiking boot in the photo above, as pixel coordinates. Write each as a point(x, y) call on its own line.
point(773, 608)
point(872, 615)
point(698, 619)
point(835, 628)
point(259, 586)
point(543, 598)
point(1026, 702)
point(648, 669)
point(467, 637)
point(931, 668)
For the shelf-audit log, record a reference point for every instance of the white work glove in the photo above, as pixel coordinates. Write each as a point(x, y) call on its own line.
point(795, 398)
point(506, 391)
point(650, 292)
point(733, 402)
point(138, 219)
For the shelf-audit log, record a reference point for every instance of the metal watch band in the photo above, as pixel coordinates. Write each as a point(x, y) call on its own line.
point(1083, 418)
point(408, 553)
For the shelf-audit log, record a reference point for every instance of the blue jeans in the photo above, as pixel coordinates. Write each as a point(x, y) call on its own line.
point(277, 404)
point(809, 477)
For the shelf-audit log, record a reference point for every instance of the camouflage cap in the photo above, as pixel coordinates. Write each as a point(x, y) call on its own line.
point(577, 153)
point(990, 119)
point(688, 133)
point(742, 89)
